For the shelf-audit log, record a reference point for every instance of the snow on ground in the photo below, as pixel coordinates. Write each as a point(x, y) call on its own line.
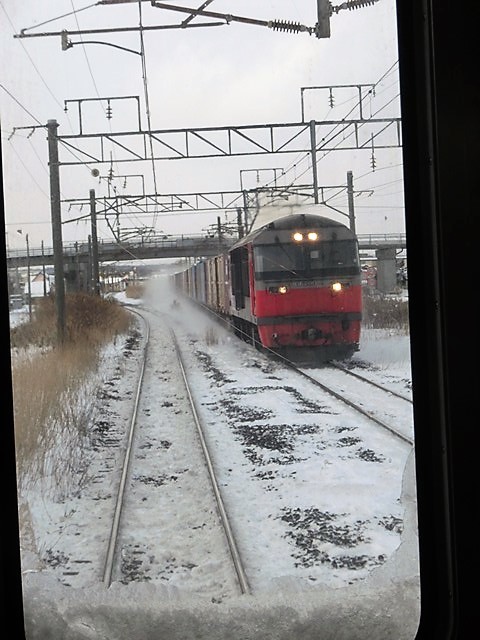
point(309, 601)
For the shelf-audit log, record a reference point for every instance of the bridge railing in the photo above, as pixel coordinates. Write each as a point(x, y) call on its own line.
point(379, 239)
point(181, 241)
point(153, 242)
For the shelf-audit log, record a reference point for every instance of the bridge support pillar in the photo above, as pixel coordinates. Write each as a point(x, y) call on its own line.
point(386, 270)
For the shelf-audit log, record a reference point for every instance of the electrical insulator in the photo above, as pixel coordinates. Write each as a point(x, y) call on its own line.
point(372, 158)
point(291, 27)
point(108, 111)
point(331, 99)
point(356, 4)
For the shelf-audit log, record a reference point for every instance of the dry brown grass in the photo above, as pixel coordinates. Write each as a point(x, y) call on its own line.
point(88, 319)
point(51, 412)
point(53, 386)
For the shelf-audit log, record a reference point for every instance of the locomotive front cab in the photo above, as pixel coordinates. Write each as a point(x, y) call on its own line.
point(307, 286)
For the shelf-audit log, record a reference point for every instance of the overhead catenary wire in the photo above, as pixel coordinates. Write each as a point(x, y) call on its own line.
point(147, 101)
point(306, 156)
point(74, 12)
point(88, 62)
point(63, 143)
point(40, 188)
point(35, 67)
point(22, 106)
point(64, 15)
point(148, 106)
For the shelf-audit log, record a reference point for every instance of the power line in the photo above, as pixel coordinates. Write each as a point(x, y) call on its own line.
point(21, 105)
point(85, 52)
point(28, 171)
point(306, 156)
point(30, 58)
point(147, 102)
point(65, 15)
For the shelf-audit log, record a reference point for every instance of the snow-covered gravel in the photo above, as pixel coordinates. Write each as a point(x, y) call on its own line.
point(322, 502)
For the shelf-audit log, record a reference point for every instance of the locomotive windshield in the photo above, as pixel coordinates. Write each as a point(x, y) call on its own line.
point(291, 261)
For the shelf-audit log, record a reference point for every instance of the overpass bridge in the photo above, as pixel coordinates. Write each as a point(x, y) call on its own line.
point(171, 246)
point(182, 246)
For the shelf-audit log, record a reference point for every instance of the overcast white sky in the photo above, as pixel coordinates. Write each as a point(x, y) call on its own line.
point(212, 76)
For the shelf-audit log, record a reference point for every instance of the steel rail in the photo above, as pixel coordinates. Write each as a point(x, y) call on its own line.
point(107, 574)
point(349, 403)
point(236, 559)
point(291, 365)
point(341, 367)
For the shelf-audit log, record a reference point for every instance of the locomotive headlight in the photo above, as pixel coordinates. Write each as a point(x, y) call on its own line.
point(336, 287)
point(312, 235)
point(297, 236)
point(280, 289)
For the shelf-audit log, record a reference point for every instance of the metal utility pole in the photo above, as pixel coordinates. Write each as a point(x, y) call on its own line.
point(351, 210)
point(239, 223)
point(44, 272)
point(29, 282)
point(89, 265)
point(313, 150)
point(95, 269)
point(324, 12)
point(52, 126)
point(219, 230)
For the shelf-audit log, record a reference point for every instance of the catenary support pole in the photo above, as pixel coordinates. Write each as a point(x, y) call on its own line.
point(95, 269)
point(52, 126)
point(313, 148)
point(44, 272)
point(29, 281)
point(351, 209)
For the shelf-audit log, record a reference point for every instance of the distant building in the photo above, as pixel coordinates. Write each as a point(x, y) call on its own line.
point(39, 285)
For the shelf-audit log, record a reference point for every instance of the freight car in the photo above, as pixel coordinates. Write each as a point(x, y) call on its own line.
point(292, 285)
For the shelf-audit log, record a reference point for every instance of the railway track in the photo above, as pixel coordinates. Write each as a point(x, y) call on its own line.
point(236, 558)
point(312, 488)
point(331, 379)
point(292, 437)
point(374, 401)
point(112, 541)
point(389, 390)
point(126, 559)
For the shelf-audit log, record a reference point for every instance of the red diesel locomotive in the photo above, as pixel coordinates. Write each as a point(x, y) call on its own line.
point(292, 285)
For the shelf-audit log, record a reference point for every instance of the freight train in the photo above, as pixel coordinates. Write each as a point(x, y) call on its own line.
point(292, 286)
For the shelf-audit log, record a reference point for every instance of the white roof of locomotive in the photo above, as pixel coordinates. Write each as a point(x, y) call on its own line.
point(310, 212)
point(270, 214)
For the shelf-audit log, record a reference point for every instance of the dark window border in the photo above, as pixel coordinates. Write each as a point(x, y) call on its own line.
point(438, 52)
point(440, 111)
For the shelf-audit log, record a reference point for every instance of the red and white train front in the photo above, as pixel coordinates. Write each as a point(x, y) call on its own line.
point(304, 287)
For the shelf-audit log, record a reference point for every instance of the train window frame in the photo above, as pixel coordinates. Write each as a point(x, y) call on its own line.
point(435, 63)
